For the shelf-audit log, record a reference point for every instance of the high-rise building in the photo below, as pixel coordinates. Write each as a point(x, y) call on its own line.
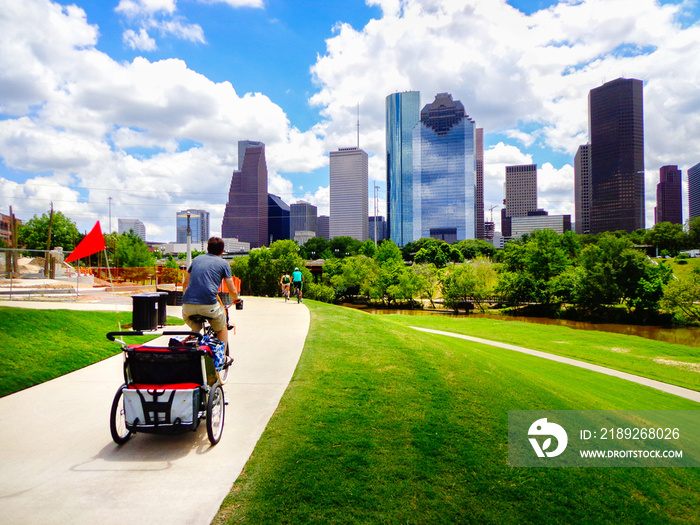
point(402, 115)
point(324, 227)
point(480, 231)
point(245, 216)
point(694, 191)
point(377, 224)
point(617, 156)
point(349, 193)
point(303, 217)
point(199, 227)
point(277, 218)
point(444, 172)
point(521, 190)
point(669, 202)
point(582, 189)
point(127, 225)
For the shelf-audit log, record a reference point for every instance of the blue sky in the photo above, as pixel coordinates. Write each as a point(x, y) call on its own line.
point(144, 100)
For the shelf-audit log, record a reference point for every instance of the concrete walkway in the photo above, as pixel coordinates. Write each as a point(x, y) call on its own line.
point(658, 385)
point(58, 462)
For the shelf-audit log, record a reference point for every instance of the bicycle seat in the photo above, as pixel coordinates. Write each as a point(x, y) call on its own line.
point(197, 318)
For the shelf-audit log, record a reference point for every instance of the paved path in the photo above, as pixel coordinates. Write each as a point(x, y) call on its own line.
point(664, 387)
point(58, 463)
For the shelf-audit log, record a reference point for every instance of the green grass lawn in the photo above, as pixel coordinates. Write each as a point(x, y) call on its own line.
point(39, 345)
point(384, 424)
point(667, 362)
point(681, 267)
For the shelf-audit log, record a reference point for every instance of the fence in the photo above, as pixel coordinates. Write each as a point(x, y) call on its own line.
point(42, 272)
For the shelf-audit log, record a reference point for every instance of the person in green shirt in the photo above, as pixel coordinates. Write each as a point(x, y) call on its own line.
point(285, 281)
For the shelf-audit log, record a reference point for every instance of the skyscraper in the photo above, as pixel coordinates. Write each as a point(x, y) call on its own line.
point(669, 202)
point(521, 190)
point(199, 227)
point(126, 225)
point(617, 156)
point(444, 172)
point(349, 193)
point(694, 191)
point(402, 115)
point(303, 217)
point(277, 218)
point(245, 216)
point(324, 227)
point(582, 189)
point(480, 233)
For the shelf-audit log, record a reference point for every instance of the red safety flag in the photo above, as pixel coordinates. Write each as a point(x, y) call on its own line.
point(93, 242)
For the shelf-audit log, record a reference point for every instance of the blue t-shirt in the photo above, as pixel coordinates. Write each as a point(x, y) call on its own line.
point(297, 276)
point(206, 273)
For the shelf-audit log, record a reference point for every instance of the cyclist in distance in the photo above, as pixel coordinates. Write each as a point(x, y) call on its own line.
point(285, 281)
point(298, 281)
point(201, 285)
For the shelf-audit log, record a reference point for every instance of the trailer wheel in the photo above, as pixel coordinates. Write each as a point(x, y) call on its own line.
point(216, 407)
point(117, 420)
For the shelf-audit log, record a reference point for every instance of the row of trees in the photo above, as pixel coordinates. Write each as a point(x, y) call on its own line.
point(545, 269)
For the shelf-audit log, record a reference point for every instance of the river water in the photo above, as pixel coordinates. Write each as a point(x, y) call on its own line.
point(689, 336)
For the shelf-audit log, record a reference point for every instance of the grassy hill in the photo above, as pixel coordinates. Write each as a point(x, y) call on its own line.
point(383, 424)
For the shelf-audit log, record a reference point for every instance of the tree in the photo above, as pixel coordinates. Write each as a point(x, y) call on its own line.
point(427, 278)
point(132, 252)
point(693, 235)
point(344, 246)
point(33, 234)
point(367, 248)
point(666, 236)
point(387, 251)
point(682, 295)
point(471, 282)
point(531, 266)
point(438, 253)
point(315, 248)
point(472, 248)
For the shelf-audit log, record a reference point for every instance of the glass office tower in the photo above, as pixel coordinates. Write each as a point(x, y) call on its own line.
point(199, 226)
point(402, 114)
point(694, 191)
point(617, 156)
point(444, 172)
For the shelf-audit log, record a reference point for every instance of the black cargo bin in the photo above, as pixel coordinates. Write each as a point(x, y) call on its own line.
point(162, 308)
point(145, 312)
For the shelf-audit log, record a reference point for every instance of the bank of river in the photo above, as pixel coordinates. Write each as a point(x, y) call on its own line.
point(689, 336)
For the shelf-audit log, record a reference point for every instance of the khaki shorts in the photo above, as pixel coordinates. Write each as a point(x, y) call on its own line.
point(215, 312)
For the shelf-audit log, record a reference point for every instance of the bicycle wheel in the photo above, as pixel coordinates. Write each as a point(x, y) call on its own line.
point(117, 420)
point(216, 409)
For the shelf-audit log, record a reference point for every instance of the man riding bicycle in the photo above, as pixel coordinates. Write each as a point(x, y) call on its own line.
point(298, 282)
point(201, 286)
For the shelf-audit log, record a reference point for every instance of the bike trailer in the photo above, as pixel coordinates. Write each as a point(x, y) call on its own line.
point(168, 390)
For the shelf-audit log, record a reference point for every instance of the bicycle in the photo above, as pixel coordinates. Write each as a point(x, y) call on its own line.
point(285, 293)
point(209, 337)
point(297, 292)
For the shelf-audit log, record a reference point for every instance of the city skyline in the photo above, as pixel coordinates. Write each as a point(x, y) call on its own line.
point(136, 100)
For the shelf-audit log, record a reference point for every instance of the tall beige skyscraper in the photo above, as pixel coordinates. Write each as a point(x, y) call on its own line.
point(349, 194)
point(521, 190)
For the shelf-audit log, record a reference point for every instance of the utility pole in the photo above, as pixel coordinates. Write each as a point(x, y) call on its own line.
point(376, 211)
point(189, 241)
point(110, 214)
point(48, 263)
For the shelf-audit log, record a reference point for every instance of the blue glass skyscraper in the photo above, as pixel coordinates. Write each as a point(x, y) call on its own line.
point(402, 114)
point(444, 172)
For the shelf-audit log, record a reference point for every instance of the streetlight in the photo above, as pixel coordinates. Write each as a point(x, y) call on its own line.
point(189, 241)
